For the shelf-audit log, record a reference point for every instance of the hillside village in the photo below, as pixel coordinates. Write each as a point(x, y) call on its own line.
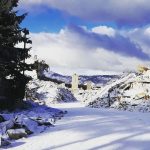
point(127, 92)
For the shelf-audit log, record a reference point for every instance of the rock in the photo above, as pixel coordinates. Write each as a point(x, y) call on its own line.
point(45, 123)
point(2, 119)
point(26, 123)
point(4, 142)
point(61, 112)
point(19, 126)
point(64, 95)
point(6, 125)
point(42, 121)
point(7, 117)
point(16, 133)
point(65, 112)
point(29, 132)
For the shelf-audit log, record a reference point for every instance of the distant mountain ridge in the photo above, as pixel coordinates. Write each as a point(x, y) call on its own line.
point(96, 79)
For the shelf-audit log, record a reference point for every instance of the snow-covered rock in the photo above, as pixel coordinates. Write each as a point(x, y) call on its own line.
point(1, 119)
point(64, 95)
point(48, 92)
point(29, 125)
point(86, 96)
point(130, 92)
point(16, 134)
point(4, 126)
point(4, 142)
point(22, 123)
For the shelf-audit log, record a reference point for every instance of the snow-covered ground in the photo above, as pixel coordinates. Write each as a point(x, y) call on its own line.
point(92, 129)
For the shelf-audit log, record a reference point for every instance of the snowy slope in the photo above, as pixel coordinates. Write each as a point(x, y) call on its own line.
point(92, 129)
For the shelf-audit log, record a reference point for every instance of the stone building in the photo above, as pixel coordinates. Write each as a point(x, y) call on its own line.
point(75, 82)
point(89, 85)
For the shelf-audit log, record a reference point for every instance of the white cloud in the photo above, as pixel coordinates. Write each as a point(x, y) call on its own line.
point(104, 30)
point(72, 49)
point(147, 32)
point(123, 12)
point(140, 36)
point(82, 71)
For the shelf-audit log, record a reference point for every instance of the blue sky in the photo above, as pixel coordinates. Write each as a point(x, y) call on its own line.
point(100, 35)
point(49, 20)
point(53, 20)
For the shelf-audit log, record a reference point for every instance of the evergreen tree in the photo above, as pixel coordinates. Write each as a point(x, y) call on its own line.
point(40, 67)
point(12, 59)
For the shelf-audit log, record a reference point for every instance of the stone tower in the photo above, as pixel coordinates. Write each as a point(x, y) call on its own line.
point(75, 82)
